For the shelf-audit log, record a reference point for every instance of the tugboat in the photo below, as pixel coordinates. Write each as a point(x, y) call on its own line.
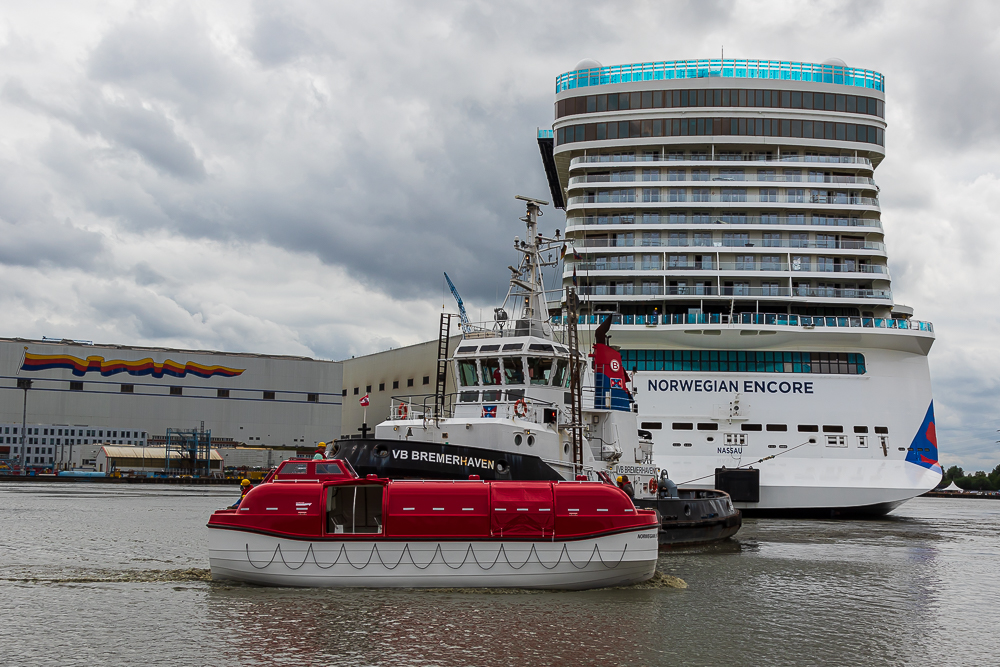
point(529, 406)
point(317, 523)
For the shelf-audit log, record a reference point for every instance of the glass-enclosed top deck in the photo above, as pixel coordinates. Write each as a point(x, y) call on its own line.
point(728, 68)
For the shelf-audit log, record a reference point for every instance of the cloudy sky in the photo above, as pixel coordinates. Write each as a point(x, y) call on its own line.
point(294, 177)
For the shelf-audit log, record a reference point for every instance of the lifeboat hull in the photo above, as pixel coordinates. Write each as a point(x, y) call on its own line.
point(608, 560)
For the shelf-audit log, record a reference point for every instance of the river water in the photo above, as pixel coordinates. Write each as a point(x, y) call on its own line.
point(114, 574)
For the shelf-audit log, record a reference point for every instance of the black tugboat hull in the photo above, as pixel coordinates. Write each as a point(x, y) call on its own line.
point(399, 459)
point(696, 517)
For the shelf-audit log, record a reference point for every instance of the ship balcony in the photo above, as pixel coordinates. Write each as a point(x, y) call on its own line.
point(767, 319)
point(629, 292)
point(680, 159)
point(574, 223)
point(743, 245)
point(801, 270)
point(799, 181)
point(723, 200)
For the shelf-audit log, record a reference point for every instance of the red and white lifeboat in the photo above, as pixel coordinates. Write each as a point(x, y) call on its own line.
point(316, 523)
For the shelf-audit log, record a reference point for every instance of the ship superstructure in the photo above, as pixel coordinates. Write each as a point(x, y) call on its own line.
point(726, 215)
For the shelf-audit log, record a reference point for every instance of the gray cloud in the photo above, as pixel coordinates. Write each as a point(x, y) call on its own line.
point(360, 149)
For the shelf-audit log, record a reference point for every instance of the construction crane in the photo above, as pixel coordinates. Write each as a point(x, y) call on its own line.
point(466, 327)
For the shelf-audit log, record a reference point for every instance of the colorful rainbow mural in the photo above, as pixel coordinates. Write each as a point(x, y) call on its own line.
point(80, 367)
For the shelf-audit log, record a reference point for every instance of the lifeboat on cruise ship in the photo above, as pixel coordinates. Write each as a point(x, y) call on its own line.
point(316, 523)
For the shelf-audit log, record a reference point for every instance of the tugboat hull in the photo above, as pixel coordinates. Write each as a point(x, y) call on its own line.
point(697, 516)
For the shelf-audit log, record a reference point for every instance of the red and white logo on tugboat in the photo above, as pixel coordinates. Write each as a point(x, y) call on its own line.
point(364, 401)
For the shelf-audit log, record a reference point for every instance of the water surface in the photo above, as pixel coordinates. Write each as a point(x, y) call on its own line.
point(102, 574)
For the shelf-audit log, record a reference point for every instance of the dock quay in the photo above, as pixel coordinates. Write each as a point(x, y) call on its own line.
point(181, 481)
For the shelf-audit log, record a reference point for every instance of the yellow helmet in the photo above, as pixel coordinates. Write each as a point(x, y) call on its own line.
point(619, 478)
point(245, 482)
point(322, 444)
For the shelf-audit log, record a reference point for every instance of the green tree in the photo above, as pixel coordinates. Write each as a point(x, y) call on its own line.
point(951, 474)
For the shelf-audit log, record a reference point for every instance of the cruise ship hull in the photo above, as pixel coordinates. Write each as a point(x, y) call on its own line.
point(860, 443)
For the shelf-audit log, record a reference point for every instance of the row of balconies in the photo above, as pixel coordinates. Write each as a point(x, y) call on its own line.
point(723, 196)
point(632, 177)
point(725, 158)
point(708, 264)
point(643, 292)
point(772, 319)
point(727, 218)
point(742, 243)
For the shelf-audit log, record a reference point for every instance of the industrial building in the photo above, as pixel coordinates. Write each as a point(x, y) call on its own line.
point(150, 460)
point(405, 372)
point(68, 394)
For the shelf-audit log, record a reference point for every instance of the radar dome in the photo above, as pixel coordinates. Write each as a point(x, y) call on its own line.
point(587, 63)
point(836, 62)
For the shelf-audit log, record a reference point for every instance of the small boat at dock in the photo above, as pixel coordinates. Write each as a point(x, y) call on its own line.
point(316, 523)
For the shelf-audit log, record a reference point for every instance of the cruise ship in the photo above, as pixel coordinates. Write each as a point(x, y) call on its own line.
point(725, 214)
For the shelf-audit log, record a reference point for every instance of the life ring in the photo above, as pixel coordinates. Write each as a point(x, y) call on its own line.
point(652, 485)
point(402, 411)
point(521, 408)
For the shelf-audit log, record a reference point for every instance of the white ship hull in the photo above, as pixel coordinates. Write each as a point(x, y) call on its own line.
point(609, 560)
point(874, 440)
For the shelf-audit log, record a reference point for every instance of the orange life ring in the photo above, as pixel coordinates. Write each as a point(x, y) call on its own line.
point(402, 411)
point(652, 485)
point(521, 408)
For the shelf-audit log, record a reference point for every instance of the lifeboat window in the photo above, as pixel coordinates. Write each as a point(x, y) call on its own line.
point(467, 350)
point(328, 469)
point(354, 509)
point(490, 348)
point(467, 373)
point(513, 368)
point(294, 469)
point(562, 366)
point(540, 347)
point(539, 369)
point(509, 347)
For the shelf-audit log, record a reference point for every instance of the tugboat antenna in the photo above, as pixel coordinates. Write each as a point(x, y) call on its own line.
point(532, 200)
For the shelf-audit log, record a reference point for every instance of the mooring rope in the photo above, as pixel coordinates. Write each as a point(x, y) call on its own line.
point(766, 458)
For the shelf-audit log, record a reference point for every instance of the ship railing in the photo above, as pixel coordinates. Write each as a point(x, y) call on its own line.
point(725, 266)
point(666, 181)
point(726, 68)
point(741, 197)
point(509, 328)
point(682, 219)
point(769, 319)
point(726, 243)
point(500, 401)
point(728, 158)
point(737, 290)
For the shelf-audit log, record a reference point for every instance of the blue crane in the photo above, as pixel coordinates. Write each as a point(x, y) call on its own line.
point(466, 327)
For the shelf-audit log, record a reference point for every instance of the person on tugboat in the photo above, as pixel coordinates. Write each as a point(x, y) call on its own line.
point(245, 487)
point(625, 485)
point(320, 451)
